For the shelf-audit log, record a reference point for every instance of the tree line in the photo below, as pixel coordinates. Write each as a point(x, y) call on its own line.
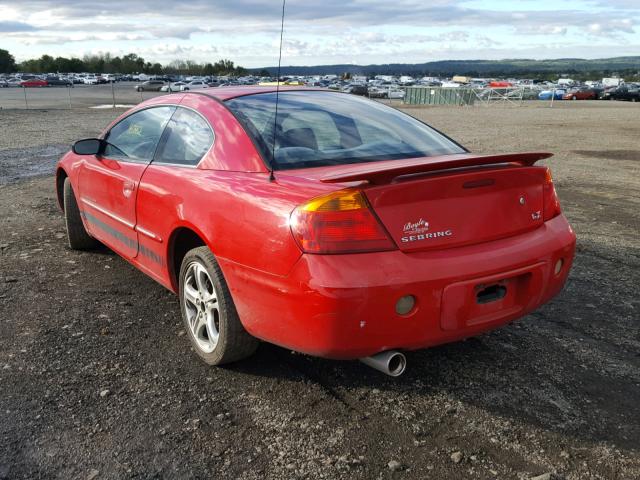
point(106, 63)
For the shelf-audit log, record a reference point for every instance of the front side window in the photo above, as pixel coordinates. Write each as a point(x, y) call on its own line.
point(187, 138)
point(316, 128)
point(136, 137)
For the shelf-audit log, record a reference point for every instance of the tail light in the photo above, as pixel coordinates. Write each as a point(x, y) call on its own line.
point(551, 202)
point(340, 222)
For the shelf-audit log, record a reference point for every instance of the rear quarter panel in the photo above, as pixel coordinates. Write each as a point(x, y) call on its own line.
point(242, 216)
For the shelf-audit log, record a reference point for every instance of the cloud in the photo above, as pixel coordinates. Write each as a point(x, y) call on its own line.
point(338, 12)
point(248, 30)
point(610, 28)
point(10, 26)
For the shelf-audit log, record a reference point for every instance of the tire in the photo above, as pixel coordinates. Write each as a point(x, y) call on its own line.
point(574, 98)
point(77, 236)
point(202, 282)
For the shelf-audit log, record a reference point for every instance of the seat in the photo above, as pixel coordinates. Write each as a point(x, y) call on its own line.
point(298, 137)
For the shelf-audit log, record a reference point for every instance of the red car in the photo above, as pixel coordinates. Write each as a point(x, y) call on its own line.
point(582, 94)
point(34, 82)
point(335, 226)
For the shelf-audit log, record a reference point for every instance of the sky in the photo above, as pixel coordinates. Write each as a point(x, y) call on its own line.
point(322, 32)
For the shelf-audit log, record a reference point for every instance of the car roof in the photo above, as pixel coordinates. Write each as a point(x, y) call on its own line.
point(226, 93)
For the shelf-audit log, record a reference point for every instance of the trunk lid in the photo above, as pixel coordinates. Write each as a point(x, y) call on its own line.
point(460, 207)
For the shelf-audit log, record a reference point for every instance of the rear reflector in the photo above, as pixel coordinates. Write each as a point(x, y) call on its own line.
point(340, 222)
point(551, 202)
point(405, 304)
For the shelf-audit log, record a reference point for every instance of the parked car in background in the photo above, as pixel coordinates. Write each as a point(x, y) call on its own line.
point(361, 90)
point(598, 90)
point(628, 91)
point(150, 86)
point(338, 227)
point(580, 94)
point(57, 81)
point(90, 80)
point(173, 87)
point(194, 85)
point(33, 82)
point(558, 94)
point(377, 92)
point(3, 83)
point(395, 93)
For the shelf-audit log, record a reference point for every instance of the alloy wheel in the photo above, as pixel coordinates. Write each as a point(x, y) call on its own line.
point(201, 307)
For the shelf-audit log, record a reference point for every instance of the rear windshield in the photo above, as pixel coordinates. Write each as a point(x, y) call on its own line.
point(316, 128)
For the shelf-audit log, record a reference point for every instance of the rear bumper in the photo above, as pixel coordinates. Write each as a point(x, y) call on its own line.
point(343, 306)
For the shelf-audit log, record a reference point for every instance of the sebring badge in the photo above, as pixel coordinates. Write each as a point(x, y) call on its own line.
point(419, 230)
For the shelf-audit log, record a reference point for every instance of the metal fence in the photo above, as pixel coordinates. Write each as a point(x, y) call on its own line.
point(439, 96)
point(68, 98)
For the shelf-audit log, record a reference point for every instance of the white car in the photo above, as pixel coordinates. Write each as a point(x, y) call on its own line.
point(90, 80)
point(173, 87)
point(395, 93)
point(195, 85)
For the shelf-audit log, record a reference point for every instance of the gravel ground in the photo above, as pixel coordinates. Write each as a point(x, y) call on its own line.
point(97, 380)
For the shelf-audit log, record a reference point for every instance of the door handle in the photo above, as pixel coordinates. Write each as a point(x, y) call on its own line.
point(127, 188)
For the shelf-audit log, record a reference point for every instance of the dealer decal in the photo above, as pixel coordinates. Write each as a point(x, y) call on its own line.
point(419, 230)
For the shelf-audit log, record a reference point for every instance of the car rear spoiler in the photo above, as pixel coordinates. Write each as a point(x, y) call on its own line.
point(385, 171)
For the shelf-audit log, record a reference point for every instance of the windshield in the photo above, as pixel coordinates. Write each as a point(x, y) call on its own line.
point(316, 128)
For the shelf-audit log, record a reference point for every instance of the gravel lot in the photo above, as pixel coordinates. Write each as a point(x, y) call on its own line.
point(97, 380)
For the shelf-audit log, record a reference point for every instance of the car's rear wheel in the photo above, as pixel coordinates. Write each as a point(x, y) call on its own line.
point(209, 313)
point(77, 235)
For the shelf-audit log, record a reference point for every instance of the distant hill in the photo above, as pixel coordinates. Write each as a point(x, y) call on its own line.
point(479, 68)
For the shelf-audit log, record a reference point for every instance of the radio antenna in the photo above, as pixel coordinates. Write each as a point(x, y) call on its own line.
point(275, 118)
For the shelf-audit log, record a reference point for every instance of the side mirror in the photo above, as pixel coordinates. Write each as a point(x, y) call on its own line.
point(88, 146)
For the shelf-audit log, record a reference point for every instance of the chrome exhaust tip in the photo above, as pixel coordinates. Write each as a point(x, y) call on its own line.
point(391, 362)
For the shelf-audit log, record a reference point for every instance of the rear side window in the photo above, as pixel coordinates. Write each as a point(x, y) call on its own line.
point(187, 138)
point(137, 136)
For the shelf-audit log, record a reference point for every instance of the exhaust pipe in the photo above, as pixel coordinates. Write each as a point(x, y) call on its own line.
point(390, 362)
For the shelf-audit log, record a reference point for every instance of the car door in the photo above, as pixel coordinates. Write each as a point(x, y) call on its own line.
point(108, 182)
point(168, 181)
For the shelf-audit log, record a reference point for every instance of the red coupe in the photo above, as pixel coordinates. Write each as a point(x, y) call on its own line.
point(316, 220)
point(580, 94)
point(34, 82)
